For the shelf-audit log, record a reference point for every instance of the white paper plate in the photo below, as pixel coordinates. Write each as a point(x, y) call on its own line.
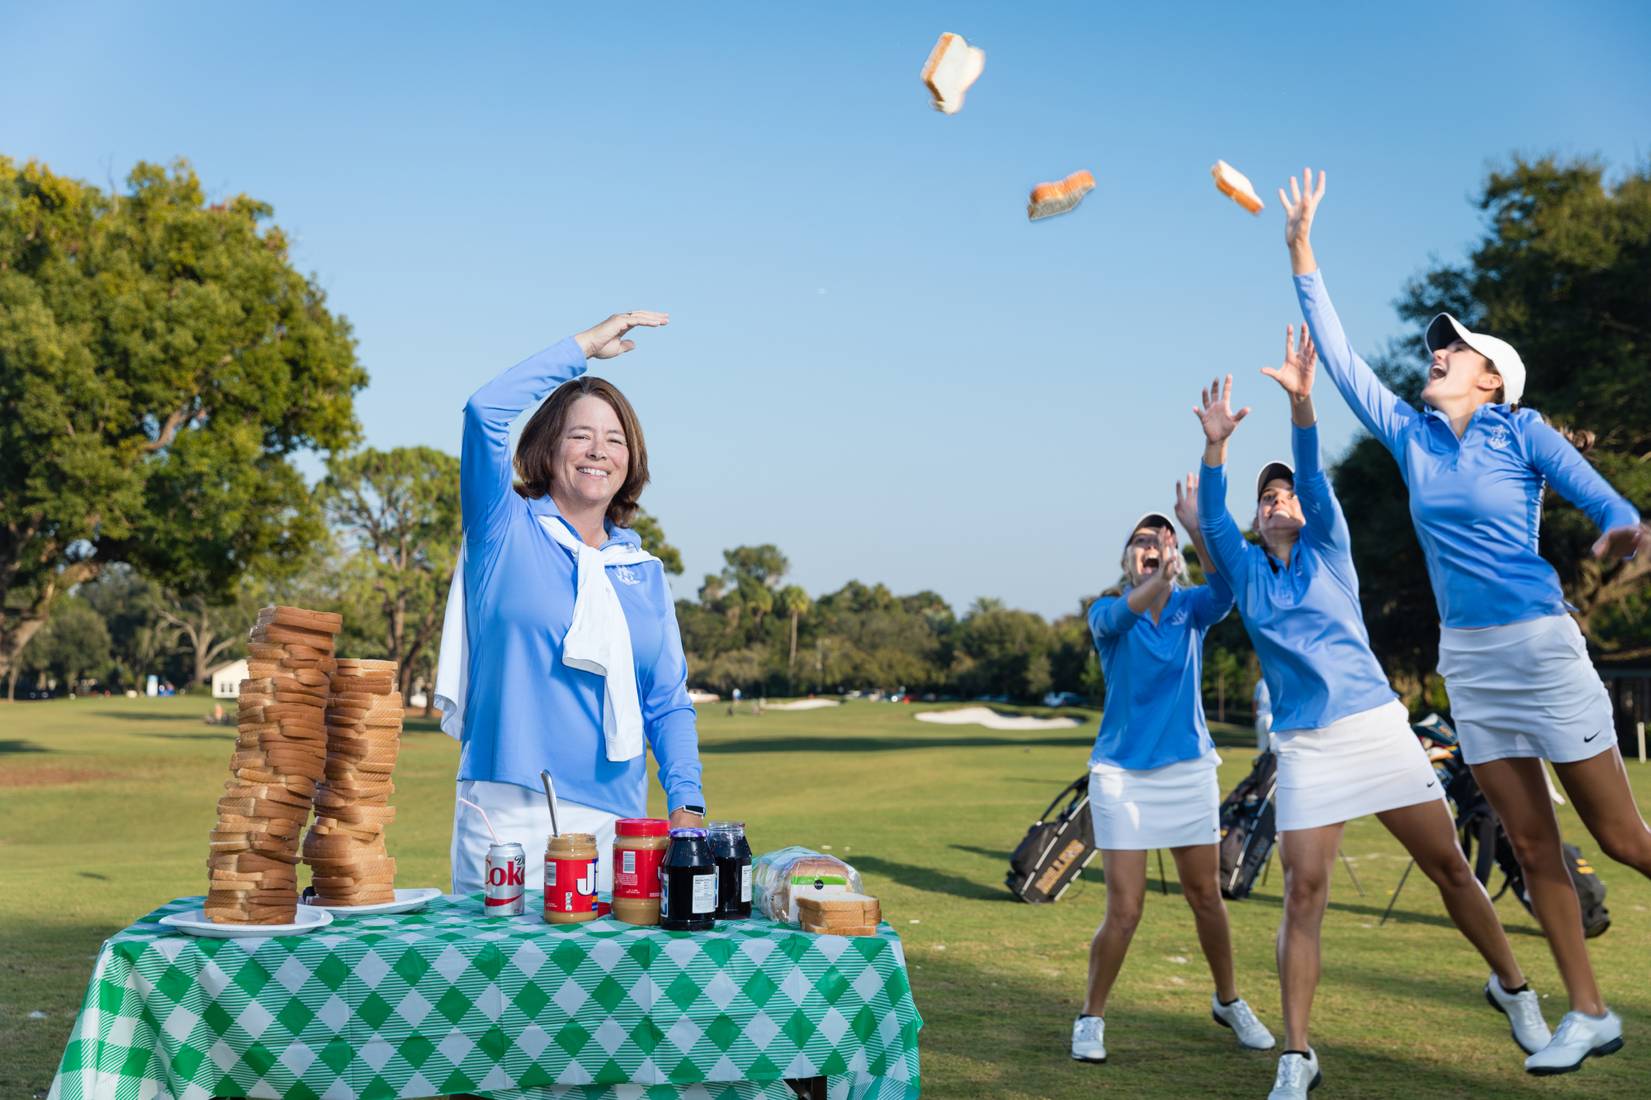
point(407, 901)
point(194, 922)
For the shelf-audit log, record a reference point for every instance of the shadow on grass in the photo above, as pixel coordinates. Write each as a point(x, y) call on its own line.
point(932, 880)
point(988, 1033)
point(140, 716)
point(882, 744)
point(7, 747)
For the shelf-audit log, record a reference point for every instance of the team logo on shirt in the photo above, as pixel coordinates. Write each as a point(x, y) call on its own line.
point(1498, 437)
point(626, 575)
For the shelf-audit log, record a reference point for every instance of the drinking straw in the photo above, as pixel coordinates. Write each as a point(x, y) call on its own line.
point(486, 822)
point(550, 797)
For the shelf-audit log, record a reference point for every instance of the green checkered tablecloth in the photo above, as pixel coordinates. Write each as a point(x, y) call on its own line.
point(449, 1001)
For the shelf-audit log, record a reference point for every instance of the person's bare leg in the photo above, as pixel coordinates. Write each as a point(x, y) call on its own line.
point(1199, 867)
point(1519, 795)
point(1307, 855)
point(1429, 835)
point(1126, 887)
point(1599, 790)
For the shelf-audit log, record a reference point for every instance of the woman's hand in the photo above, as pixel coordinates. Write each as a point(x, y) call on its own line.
point(606, 340)
point(686, 819)
point(1186, 504)
point(1299, 207)
point(1620, 542)
point(1217, 414)
point(1296, 375)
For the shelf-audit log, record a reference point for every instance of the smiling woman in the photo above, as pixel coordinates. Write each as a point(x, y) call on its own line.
point(548, 664)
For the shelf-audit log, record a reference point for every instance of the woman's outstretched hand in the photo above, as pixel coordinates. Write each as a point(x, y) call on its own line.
point(607, 339)
point(1216, 414)
point(1296, 375)
point(1299, 207)
point(1621, 542)
point(1186, 504)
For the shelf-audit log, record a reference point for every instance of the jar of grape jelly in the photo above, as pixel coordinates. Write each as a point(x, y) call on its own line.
point(733, 858)
point(687, 883)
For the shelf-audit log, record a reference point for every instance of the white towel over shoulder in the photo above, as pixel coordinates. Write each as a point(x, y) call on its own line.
point(598, 640)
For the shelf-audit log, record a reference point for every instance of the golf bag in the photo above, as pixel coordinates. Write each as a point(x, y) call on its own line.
point(1248, 827)
point(1479, 828)
point(1058, 846)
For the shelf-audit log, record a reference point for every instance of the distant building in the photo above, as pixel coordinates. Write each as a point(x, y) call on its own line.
point(226, 679)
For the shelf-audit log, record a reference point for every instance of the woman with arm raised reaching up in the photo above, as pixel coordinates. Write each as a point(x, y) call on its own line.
point(1521, 686)
point(1345, 748)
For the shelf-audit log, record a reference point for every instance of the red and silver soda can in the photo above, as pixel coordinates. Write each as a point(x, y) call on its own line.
point(505, 873)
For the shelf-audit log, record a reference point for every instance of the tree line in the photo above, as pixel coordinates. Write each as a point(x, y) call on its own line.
point(162, 364)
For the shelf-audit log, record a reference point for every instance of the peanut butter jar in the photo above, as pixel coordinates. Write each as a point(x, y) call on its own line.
point(570, 878)
point(639, 845)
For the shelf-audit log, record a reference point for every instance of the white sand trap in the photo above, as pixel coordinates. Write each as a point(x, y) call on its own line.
point(804, 704)
point(991, 719)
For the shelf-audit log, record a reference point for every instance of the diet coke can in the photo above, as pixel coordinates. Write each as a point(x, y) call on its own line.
point(505, 873)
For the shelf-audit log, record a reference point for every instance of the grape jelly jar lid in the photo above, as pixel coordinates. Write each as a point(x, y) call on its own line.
point(688, 831)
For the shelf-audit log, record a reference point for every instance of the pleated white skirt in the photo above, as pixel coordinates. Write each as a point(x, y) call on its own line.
point(1175, 806)
point(1362, 764)
point(1525, 689)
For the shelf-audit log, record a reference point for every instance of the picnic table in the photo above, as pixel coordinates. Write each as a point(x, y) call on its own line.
point(447, 1000)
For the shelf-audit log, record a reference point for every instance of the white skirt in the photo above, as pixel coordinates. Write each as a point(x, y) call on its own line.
point(520, 815)
point(1525, 689)
point(1175, 806)
point(1362, 764)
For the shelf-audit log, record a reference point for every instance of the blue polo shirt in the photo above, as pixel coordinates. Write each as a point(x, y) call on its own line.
point(1154, 709)
point(1304, 617)
point(1476, 502)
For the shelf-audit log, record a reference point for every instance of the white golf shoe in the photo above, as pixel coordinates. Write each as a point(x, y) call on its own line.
point(1579, 1036)
point(1297, 1076)
point(1089, 1039)
point(1524, 1013)
point(1238, 1016)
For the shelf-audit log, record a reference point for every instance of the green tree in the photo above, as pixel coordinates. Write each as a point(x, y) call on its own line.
point(73, 647)
point(139, 639)
point(653, 541)
point(399, 513)
point(795, 603)
point(160, 361)
point(1001, 651)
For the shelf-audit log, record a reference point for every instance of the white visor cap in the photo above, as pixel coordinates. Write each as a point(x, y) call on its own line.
point(1445, 328)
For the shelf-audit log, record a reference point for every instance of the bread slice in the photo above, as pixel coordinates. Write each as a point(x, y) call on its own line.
point(841, 930)
point(953, 66)
point(1049, 199)
point(1230, 181)
point(839, 910)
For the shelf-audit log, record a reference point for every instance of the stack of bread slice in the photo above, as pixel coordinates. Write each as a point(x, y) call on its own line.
point(839, 914)
point(280, 752)
point(345, 847)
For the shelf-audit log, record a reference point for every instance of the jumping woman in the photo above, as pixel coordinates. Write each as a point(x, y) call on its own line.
point(1345, 748)
point(1514, 663)
point(1152, 781)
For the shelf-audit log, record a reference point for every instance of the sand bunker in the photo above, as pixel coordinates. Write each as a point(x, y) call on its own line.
point(804, 704)
point(984, 716)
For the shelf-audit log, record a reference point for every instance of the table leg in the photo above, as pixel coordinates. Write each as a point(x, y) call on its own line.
point(808, 1088)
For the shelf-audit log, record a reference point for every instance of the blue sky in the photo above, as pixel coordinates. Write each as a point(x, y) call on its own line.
point(874, 360)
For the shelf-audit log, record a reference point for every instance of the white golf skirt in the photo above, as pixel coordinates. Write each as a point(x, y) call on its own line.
point(1175, 806)
point(522, 816)
point(1362, 764)
point(1525, 689)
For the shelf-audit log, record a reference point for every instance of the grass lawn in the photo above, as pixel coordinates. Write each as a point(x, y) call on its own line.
point(105, 805)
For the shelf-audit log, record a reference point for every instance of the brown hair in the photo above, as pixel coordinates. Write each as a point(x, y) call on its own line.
point(536, 450)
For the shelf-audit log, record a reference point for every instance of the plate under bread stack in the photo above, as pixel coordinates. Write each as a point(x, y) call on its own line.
point(345, 846)
point(280, 749)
